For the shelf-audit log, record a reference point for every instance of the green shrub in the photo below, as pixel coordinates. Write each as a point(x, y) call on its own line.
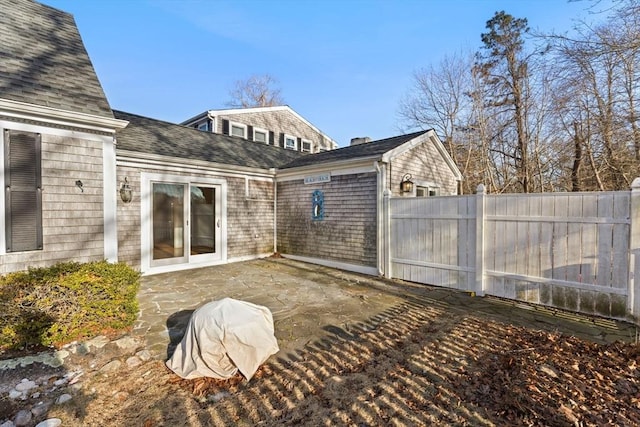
point(68, 301)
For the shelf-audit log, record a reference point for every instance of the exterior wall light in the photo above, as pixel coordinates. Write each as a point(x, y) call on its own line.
point(125, 191)
point(406, 185)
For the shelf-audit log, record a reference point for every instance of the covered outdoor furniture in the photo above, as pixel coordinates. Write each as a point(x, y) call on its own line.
point(223, 337)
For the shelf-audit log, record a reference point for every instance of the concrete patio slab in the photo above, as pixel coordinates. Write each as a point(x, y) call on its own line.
point(310, 302)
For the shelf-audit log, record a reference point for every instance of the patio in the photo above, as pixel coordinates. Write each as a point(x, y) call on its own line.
point(311, 302)
point(358, 350)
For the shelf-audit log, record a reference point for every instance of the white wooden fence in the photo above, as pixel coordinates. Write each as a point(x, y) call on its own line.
point(575, 251)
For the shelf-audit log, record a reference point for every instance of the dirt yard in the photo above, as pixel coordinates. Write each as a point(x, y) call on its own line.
point(418, 363)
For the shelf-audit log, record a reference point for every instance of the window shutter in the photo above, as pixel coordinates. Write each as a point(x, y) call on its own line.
point(225, 127)
point(250, 133)
point(272, 138)
point(281, 142)
point(23, 193)
point(299, 144)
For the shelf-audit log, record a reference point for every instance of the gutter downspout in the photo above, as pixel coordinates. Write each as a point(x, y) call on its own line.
point(275, 214)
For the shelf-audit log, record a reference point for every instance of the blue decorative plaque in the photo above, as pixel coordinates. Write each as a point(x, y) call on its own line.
point(317, 205)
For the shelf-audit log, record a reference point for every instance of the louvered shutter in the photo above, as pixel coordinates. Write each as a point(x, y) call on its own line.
point(23, 195)
point(225, 127)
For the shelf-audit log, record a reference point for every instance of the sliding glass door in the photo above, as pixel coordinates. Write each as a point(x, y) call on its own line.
point(185, 223)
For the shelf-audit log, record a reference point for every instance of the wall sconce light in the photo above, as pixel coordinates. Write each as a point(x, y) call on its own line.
point(79, 185)
point(406, 185)
point(125, 191)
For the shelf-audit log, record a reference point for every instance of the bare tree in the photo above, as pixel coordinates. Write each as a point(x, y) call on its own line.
point(601, 83)
point(256, 91)
point(505, 69)
point(443, 97)
point(525, 118)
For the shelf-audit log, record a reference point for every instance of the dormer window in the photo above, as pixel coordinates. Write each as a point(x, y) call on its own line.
point(290, 142)
point(261, 135)
point(306, 145)
point(204, 126)
point(238, 129)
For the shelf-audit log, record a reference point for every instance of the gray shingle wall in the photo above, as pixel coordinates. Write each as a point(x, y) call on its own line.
point(348, 232)
point(72, 220)
point(424, 163)
point(44, 62)
point(128, 217)
point(249, 220)
point(279, 122)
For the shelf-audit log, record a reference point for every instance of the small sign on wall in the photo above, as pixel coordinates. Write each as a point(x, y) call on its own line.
point(317, 179)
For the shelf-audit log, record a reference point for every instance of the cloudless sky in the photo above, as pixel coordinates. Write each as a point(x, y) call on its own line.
point(344, 65)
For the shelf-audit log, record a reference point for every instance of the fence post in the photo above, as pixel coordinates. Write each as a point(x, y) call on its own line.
point(633, 302)
point(479, 287)
point(387, 232)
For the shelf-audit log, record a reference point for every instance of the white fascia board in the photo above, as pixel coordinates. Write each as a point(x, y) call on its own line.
point(55, 116)
point(401, 149)
point(234, 111)
point(445, 155)
point(431, 137)
point(238, 111)
point(143, 160)
point(48, 130)
point(343, 167)
point(194, 119)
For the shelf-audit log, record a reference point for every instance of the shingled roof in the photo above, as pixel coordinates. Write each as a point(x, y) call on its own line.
point(152, 136)
point(369, 149)
point(44, 62)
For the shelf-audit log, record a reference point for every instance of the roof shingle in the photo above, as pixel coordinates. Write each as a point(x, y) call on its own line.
point(369, 149)
point(43, 60)
point(162, 138)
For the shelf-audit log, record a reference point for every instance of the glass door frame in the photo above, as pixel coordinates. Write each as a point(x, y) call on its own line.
point(150, 266)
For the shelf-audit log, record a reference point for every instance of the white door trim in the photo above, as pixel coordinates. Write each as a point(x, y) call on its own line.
point(146, 225)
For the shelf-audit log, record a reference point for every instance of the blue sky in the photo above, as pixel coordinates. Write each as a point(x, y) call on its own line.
point(342, 64)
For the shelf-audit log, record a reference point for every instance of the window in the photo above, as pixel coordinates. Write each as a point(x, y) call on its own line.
point(426, 191)
point(306, 145)
point(260, 135)
point(204, 126)
point(23, 194)
point(290, 142)
point(238, 129)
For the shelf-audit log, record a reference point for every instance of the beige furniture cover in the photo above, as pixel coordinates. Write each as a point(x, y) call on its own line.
point(223, 337)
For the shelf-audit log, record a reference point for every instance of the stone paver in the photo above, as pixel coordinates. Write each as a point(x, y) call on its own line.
point(310, 301)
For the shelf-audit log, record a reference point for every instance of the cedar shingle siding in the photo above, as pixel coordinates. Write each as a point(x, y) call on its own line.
point(129, 236)
point(249, 220)
point(72, 220)
point(278, 122)
point(424, 163)
point(348, 231)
